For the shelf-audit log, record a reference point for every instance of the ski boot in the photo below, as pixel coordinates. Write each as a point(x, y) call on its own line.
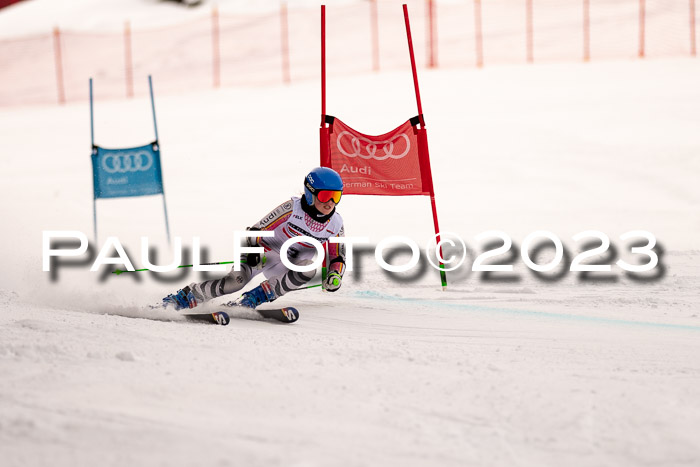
point(184, 298)
point(261, 294)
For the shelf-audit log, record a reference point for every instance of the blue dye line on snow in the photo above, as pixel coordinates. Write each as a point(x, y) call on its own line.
point(530, 313)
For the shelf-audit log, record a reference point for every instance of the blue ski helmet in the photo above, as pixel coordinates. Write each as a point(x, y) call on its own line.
point(321, 178)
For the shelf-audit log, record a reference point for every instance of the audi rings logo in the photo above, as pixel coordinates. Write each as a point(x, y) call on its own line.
point(139, 161)
point(352, 146)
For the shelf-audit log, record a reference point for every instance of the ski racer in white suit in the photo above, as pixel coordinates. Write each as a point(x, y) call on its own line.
point(313, 215)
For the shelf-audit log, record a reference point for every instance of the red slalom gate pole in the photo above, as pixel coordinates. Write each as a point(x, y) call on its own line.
point(324, 131)
point(423, 141)
point(374, 20)
point(693, 51)
point(642, 17)
point(586, 30)
point(479, 38)
point(128, 64)
point(529, 29)
point(59, 66)
point(284, 35)
point(323, 65)
point(413, 62)
point(216, 51)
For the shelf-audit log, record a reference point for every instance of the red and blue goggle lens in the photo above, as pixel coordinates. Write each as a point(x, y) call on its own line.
point(326, 195)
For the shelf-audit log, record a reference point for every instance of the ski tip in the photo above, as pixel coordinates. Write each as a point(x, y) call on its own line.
point(291, 313)
point(221, 317)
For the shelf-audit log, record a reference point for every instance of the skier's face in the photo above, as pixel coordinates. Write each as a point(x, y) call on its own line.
point(324, 208)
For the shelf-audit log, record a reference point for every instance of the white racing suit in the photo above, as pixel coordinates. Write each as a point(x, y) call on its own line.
point(286, 221)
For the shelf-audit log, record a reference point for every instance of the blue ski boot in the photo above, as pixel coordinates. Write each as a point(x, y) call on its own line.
point(261, 294)
point(184, 298)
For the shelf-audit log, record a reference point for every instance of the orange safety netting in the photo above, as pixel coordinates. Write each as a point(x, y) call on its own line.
point(279, 47)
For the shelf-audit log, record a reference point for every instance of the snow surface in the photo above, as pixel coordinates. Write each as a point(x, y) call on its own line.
point(505, 369)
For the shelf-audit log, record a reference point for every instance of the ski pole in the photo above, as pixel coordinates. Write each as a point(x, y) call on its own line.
point(119, 271)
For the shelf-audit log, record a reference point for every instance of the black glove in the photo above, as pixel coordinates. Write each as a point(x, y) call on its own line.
point(252, 259)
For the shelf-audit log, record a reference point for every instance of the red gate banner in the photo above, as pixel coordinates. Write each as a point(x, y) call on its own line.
point(388, 164)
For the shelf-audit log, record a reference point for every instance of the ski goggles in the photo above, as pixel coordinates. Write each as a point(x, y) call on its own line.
point(326, 195)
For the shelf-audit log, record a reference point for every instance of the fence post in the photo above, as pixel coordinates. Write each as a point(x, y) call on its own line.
point(128, 63)
point(216, 52)
point(693, 51)
point(479, 40)
point(374, 20)
point(432, 46)
point(59, 65)
point(529, 31)
point(642, 14)
point(284, 35)
point(586, 30)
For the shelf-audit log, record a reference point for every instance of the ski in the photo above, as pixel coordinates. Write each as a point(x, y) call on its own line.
point(215, 317)
point(287, 314)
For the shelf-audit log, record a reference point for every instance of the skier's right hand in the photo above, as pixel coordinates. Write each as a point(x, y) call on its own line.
point(252, 259)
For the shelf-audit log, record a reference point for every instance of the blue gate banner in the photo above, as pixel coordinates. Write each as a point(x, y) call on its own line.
point(120, 173)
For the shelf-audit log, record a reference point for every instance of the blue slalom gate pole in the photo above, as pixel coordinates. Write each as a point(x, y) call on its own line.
point(92, 142)
point(155, 127)
point(153, 106)
point(92, 124)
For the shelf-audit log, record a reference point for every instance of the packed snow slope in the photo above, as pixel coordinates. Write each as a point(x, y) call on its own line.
point(558, 368)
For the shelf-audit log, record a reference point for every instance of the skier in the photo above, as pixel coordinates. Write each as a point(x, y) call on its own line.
point(313, 215)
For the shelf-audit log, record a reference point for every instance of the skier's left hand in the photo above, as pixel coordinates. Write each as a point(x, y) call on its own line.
point(333, 282)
